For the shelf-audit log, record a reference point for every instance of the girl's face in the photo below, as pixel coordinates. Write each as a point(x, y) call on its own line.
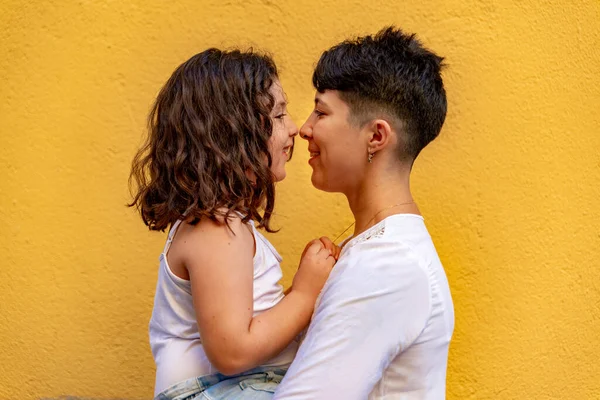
point(284, 130)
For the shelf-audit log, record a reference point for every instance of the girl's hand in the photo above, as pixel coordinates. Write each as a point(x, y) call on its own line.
point(332, 247)
point(316, 264)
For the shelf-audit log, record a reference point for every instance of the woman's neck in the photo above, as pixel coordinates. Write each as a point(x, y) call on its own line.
point(375, 199)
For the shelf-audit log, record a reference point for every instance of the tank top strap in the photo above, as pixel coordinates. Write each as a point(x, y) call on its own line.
point(260, 240)
point(172, 232)
point(265, 242)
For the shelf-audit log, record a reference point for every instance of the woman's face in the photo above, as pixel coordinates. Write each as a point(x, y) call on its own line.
point(284, 130)
point(338, 155)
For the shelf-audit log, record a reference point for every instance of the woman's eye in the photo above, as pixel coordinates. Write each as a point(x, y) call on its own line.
point(280, 116)
point(319, 113)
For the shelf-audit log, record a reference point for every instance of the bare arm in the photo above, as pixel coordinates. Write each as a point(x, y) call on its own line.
point(220, 266)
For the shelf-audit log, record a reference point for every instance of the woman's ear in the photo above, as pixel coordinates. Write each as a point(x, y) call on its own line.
point(380, 135)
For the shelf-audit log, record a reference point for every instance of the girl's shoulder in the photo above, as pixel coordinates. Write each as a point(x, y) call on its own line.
point(199, 242)
point(230, 228)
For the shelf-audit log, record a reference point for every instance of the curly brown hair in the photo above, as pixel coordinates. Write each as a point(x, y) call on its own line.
point(208, 131)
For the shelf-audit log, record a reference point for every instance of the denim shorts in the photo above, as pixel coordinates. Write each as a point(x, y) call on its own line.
point(257, 384)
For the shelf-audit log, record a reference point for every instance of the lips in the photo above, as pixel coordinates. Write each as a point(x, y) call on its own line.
point(314, 153)
point(286, 149)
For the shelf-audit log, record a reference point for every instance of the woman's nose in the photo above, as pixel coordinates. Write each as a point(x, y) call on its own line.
point(306, 131)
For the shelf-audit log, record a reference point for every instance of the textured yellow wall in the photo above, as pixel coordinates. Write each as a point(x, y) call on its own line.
point(510, 190)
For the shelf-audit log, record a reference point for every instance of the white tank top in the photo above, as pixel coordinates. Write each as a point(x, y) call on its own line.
point(174, 336)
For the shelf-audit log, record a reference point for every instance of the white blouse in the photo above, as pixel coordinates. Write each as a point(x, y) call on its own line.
point(382, 325)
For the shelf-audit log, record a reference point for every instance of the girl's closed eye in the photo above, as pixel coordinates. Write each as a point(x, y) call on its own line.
point(318, 113)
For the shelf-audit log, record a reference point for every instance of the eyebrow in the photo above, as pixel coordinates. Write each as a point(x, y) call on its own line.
point(320, 101)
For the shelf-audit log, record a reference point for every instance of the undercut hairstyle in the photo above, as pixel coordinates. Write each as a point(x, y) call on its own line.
point(390, 74)
point(208, 131)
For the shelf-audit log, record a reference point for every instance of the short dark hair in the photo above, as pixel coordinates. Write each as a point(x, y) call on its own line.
point(209, 126)
point(391, 72)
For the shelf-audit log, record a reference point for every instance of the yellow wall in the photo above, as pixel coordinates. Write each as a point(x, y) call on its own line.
point(510, 190)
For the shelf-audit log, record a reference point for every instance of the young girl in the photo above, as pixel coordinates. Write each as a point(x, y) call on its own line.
point(219, 139)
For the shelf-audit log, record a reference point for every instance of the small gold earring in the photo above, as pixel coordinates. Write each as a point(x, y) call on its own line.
point(370, 158)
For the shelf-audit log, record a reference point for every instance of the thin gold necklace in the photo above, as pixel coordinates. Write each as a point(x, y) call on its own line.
point(371, 220)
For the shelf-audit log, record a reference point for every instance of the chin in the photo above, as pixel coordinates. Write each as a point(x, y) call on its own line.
point(279, 176)
point(319, 184)
point(327, 185)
